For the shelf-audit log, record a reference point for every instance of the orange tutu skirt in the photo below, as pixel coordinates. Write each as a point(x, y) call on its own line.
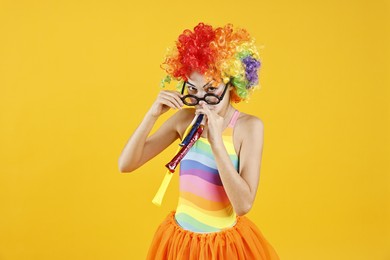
point(242, 241)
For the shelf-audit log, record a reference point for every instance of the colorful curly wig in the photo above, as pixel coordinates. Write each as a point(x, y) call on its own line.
point(222, 54)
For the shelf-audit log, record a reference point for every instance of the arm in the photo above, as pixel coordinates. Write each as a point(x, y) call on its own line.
point(140, 148)
point(241, 188)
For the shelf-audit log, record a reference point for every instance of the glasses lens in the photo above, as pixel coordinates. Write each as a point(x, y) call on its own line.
point(190, 101)
point(212, 100)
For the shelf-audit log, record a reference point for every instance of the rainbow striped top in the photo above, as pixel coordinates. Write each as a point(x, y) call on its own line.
point(203, 205)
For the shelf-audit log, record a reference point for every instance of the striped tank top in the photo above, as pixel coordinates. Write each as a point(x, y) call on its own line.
point(203, 205)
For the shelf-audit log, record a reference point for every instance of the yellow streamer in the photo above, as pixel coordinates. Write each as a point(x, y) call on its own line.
point(157, 200)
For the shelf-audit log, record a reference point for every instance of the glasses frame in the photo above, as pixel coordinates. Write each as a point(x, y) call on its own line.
point(204, 97)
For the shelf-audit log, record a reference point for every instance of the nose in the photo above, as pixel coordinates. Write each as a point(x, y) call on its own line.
point(200, 93)
point(199, 105)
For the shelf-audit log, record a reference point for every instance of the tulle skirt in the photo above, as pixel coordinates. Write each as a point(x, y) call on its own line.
point(242, 241)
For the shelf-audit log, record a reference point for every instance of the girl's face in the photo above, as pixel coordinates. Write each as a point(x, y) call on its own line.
point(198, 86)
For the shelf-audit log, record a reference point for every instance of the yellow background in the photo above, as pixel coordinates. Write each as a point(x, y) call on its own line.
point(76, 78)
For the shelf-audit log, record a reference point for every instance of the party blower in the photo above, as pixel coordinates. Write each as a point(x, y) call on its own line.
point(191, 136)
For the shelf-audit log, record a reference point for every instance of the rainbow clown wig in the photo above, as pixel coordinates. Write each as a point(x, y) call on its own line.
point(222, 54)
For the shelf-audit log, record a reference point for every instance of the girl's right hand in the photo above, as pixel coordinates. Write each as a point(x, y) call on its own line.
point(166, 99)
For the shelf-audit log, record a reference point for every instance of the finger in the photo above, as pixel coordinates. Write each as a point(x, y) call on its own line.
point(205, 106)
point(173, 99)
point(204, 112)
point(177, 97)
point(168, 103)
point(174, 94)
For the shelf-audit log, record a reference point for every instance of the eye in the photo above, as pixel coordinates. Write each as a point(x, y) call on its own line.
point(211, 89)
point(192, 89)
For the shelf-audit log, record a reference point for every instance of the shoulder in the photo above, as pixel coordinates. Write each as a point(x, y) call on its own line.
point(249, 124)
point(249, 134)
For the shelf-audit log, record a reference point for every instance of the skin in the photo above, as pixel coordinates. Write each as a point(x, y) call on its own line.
point(240, 187)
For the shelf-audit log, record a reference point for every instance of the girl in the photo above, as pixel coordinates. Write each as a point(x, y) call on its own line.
point(219, 175)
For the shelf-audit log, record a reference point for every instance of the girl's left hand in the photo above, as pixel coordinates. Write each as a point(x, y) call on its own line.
point(214, 122)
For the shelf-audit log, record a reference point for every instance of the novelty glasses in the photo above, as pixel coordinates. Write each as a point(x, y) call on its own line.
point(209, 98)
